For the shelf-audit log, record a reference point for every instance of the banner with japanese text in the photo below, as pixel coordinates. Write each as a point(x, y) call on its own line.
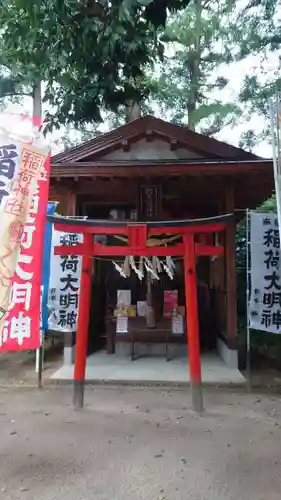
point(24, 167)
point(46, 264)
point(64, 284)
point(9, 164)
point(265, 296)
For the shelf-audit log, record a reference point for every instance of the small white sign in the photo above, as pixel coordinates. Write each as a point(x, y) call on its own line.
point(124, 297)
point(122, 324)
point(141, 308)
point(177, 325)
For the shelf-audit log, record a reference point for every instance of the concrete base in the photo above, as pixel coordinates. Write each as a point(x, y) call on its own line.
point(229, 356)
point(197, 397)
point(68, 355)
point(103, 367)
point(78, 396)
point(150, 349)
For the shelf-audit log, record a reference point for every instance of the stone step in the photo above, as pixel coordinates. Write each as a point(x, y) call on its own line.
point(175, 350)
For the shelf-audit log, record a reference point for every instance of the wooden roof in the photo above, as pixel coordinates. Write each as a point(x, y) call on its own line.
point(151, 127)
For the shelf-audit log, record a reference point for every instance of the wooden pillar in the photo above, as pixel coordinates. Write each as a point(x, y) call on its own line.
point(71, 203)
point(65, 196)
point(230, 261)
point(192, 323)
point(83, 323)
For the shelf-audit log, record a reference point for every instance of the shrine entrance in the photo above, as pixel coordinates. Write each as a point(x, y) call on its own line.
point(197, 237)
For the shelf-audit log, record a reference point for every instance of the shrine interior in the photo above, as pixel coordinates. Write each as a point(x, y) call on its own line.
point(107, 281)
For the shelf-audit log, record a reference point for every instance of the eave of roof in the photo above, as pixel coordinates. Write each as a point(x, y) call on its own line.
point(136, 129)
point(137, 168)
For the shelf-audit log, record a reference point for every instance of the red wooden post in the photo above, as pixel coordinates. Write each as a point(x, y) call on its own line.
point(192, 323)
point(83, 323)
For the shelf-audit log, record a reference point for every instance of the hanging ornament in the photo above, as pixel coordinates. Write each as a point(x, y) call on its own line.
point(126, 267)
point(134, 267)
point(141, 267)
point(153, 264)
point(149, 268)
point(170, 263)
point(153, 267)
point(156, 264)
point(168, 270)
point(119, 269)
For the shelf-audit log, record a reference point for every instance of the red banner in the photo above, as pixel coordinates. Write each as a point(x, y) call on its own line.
point(21, 330)
point(170, 302)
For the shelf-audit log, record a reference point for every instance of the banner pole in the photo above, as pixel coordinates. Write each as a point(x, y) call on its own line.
point(37, 352)
point(37, 360)
point(37, 117)
point(276, 156)
point(40, 360)
point(248, 341)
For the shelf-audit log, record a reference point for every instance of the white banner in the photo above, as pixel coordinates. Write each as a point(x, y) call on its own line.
point(64, 284)
point(9, 164)
point(23, 168)
point(265, 296)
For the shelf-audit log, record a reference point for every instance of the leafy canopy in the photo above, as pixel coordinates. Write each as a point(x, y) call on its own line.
point(190, 85)
point(259, 36)
point(91, 54)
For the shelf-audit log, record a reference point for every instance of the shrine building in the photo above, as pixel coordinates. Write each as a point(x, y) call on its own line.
point(150, 184)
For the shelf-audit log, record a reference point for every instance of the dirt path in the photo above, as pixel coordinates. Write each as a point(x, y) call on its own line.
point(18, 368)
point(138, 444)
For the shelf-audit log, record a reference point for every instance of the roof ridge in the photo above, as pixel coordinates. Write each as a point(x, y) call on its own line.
point(103, 136)
point(191, 139)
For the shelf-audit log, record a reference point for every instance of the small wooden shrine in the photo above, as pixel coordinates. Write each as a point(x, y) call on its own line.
point(155, 175)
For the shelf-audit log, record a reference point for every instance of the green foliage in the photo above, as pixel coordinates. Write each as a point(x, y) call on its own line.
point(71, 136)
point(187, 86)
point(91, 54)
point(259, 28)
point(269, 205)
point(248, 140)
point(12, 88)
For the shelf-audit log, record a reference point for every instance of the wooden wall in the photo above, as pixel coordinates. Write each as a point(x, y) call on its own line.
point(65, 196)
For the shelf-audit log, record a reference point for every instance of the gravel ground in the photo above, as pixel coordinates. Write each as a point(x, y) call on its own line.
point(132, 443)
point(18, 368)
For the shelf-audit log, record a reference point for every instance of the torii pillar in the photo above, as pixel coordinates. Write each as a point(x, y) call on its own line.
point(83, 322)
point(192, 323)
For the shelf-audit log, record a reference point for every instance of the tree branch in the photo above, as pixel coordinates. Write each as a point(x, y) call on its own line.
point(17, 94)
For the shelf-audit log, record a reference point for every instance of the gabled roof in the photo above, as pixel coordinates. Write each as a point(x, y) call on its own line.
point(133, 131)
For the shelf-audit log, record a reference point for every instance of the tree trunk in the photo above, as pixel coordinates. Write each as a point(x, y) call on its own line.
point(133, 112)
point(37, 104)
point(195, 66)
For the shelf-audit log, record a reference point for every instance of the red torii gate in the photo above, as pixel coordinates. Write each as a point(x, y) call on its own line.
point(198, 239)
